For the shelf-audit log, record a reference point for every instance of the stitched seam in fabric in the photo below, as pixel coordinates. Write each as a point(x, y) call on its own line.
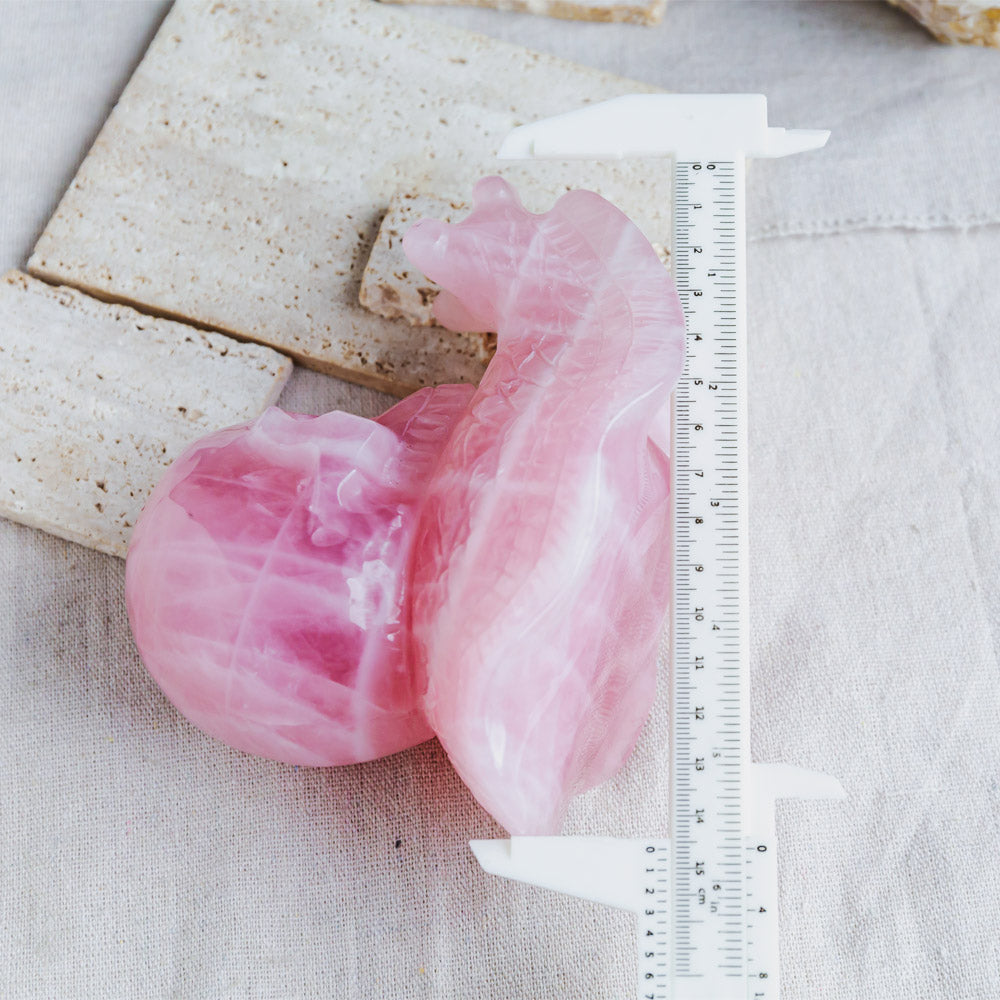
point(830, 227)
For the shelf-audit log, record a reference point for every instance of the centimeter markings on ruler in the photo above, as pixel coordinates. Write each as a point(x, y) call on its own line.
point(710, 703)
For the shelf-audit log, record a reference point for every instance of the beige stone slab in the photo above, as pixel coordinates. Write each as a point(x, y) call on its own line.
point(391, 286)
point(968, 22)
point(622, 11)
point(241, 178)
point(97, 399)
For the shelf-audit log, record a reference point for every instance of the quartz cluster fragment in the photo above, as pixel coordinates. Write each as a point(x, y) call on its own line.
point(489, 565)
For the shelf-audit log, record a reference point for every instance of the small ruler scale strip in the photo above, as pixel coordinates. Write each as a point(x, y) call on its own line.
point(706, 899)
point(710, 716)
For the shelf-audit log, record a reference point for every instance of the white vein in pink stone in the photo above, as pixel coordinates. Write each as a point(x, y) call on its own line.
point(541, 564)
point(264, 580)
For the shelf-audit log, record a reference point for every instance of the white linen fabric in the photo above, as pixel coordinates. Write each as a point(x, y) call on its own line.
point(138, 858)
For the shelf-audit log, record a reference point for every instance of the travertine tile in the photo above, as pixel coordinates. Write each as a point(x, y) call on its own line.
point(391, 286)
point(628, 11)
point(240, 180)
point(97, 399)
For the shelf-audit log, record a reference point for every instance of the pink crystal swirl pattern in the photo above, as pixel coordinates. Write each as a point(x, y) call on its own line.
point(264, 580)
point(541, 564)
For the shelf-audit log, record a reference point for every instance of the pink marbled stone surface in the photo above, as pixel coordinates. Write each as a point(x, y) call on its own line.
point(264, 580)
point(541, 564)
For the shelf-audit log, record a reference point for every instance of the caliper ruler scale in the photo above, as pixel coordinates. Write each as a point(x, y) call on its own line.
point(706, 899)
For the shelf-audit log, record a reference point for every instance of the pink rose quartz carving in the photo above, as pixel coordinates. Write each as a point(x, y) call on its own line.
point(540, 567)
point(264, 580)
point(489, 564)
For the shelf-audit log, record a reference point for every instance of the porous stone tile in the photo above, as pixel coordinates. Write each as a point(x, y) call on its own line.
point(391, 286)
point(241, 178)
point(97, 399)
point(627, 11)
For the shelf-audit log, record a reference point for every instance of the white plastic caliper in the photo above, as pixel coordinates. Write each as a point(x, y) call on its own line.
point(707, 897)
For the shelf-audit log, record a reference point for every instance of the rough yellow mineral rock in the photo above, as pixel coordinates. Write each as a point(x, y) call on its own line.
point(970, 22)
point(240, 179)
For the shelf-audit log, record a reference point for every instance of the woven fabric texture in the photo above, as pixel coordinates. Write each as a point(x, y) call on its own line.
point(140, 859)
